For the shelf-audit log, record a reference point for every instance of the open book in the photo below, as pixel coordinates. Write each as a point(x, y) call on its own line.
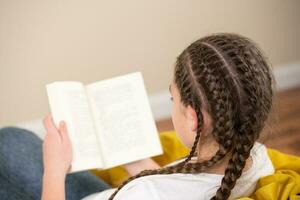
point(110, 122)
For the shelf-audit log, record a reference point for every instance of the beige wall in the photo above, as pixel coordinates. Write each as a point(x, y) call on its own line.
point(45, 41)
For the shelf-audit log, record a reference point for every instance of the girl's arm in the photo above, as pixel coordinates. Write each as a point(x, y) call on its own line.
point(53, 187)
point(134, 168)
point(57, 156)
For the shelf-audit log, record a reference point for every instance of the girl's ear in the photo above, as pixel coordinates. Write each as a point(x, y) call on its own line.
point(192, 118)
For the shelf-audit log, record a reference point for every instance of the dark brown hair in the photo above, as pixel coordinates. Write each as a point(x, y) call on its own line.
point(227, 75)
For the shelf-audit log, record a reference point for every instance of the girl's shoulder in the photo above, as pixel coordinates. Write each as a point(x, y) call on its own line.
point(261, 160)
point(195, 186)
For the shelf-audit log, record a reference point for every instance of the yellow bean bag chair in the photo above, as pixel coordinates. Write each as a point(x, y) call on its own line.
point(283, 184)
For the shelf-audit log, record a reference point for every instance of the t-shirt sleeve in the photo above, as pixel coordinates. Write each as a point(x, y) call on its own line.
point(143, 190)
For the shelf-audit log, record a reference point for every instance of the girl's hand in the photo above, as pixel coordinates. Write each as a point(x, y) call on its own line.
point(57, 150)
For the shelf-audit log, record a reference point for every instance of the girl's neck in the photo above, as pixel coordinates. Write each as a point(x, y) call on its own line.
point(206, 151)
point(221, 166)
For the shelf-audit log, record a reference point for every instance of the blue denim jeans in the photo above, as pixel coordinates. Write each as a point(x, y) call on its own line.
point(21, 169)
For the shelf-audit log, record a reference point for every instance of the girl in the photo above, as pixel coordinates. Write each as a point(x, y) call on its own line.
point(222, 94)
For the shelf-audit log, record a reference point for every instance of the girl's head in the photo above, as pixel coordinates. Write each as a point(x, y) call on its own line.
point(222, 94)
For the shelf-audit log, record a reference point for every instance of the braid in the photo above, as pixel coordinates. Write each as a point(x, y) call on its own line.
point(225, 75)
point(253, 110)
point(235, 166)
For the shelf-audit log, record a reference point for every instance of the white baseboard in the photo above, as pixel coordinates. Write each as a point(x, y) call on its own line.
point(287, 77)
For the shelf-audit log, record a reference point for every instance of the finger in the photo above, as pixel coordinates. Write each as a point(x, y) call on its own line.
point(44, 120)
point(49, 124)
point(63, 131)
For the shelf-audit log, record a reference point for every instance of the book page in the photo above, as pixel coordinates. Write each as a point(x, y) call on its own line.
point(123, 119)
point(68, 102)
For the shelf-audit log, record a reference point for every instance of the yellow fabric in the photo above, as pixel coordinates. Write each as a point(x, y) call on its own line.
point(283, 184)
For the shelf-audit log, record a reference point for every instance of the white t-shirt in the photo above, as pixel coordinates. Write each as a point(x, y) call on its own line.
point(192, 186)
